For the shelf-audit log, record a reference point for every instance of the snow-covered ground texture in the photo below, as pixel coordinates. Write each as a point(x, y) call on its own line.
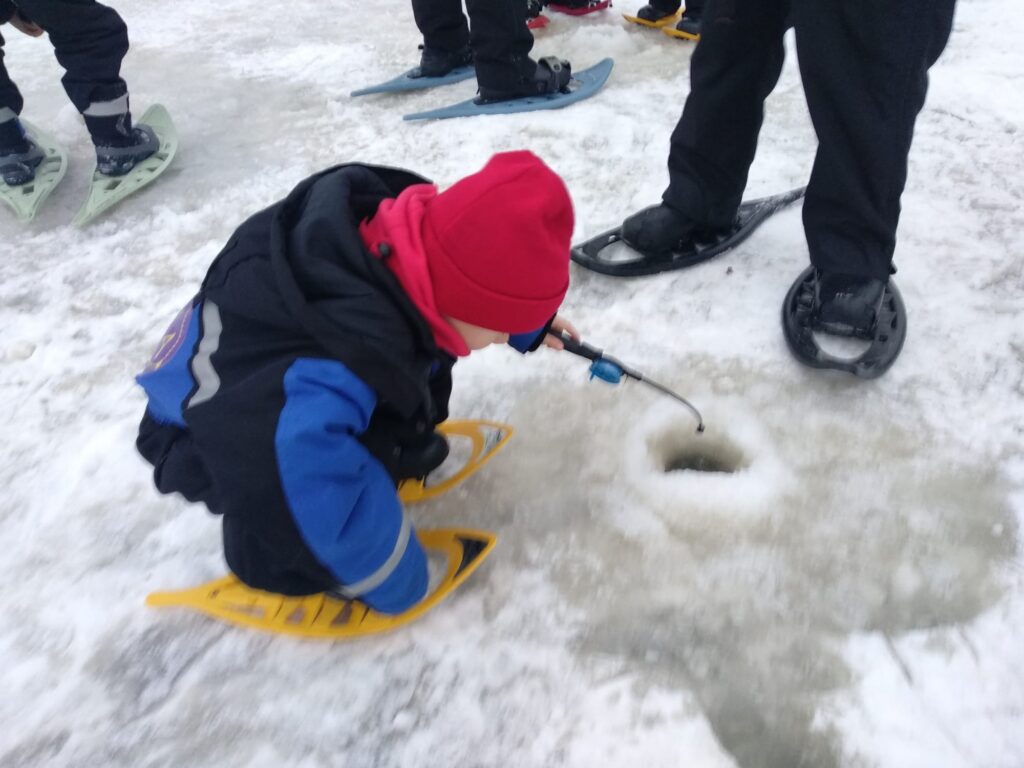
point(851, 596)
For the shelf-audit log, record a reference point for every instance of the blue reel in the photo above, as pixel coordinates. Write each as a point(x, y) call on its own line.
point(606, 371)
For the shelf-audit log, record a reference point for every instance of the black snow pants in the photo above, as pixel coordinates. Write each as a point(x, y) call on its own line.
point(500, 40)
point(288, 567)
point(864, 68)
point(89, 40)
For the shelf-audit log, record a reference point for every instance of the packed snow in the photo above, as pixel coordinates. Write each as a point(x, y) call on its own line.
point(850, 595)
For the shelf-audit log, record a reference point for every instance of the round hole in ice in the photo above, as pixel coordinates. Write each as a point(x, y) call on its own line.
point(680, 450)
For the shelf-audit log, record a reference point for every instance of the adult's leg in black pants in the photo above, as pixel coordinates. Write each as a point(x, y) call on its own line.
point(442, 25)
point(501, 43)
point(734, 67)
point(864, 69)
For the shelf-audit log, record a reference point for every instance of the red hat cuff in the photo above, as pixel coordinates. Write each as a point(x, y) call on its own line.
point(497, 245)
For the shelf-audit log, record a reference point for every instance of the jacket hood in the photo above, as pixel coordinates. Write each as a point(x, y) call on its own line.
point(343, 295)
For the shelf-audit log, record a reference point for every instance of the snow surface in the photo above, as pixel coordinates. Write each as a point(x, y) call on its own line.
point(852, 596)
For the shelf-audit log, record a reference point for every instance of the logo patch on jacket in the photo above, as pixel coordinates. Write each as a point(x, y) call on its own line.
point(172, 339)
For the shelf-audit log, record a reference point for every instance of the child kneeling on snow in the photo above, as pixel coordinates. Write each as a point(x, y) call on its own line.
point(307, 376)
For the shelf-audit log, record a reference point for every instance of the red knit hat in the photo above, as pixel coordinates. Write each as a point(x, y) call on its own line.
point(497, 244)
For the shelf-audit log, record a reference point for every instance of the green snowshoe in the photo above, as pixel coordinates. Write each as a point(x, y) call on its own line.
point(106, 191)
point(26, 199)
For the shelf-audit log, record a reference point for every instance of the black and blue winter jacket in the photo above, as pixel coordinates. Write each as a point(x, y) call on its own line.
point(284, 393)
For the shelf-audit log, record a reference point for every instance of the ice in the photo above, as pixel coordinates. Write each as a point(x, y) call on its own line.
point(849, 595)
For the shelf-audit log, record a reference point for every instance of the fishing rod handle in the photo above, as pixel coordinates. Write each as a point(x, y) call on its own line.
point(578, 347)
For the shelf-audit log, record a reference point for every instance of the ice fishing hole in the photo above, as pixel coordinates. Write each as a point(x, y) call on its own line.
point(679, 451)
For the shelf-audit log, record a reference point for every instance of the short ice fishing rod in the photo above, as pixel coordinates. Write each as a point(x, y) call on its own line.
point(607, 368)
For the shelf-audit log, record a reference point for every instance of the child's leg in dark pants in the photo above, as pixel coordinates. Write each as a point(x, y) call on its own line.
point(18, 157)
point(11, 104)
point(177, 465)
point(89, 40)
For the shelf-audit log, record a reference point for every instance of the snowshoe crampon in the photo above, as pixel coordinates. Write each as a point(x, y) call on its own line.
point(26, 199)
point(609, 254)
point(107, 191)
point(323, 615)
point(883, 344)
point(473, 444)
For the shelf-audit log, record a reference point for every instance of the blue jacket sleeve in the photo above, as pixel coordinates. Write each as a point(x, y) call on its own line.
point(342, 499)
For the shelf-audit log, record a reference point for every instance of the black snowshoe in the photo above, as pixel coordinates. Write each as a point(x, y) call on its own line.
point(846, 306)
point(659, 238)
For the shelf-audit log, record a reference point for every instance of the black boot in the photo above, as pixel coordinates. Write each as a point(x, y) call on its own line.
point(689, 24)
point(658, 230)
point(847, 305)
point(655, 13)
point(550, 75)
point(421, 458)
point(437, 63)
point(120, 158)
point(18, 164)
point(844, 305)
